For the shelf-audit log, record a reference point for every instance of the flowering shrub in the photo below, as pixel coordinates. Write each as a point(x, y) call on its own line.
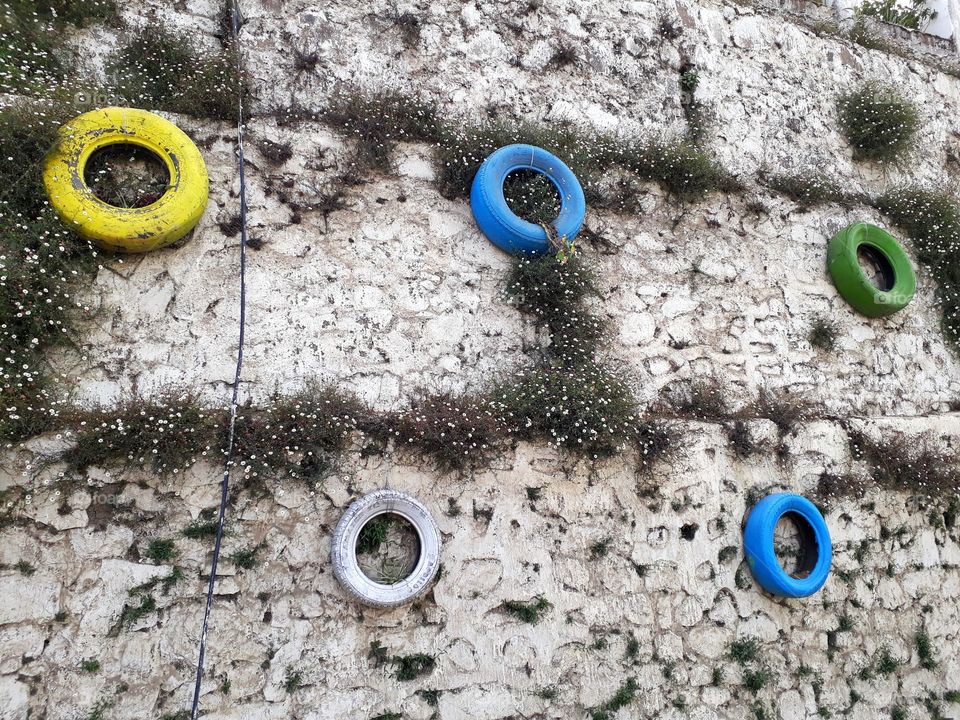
point(878, 122)
point(159, 69)
point(932, 220)
point(457, 433)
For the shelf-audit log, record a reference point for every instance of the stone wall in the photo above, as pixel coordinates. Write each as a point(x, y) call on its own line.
point(399, 292)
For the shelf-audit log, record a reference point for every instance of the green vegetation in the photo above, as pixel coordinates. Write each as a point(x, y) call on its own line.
point(529, 612)
point(162, 69)
point(600, 548)
point(625, 695)
point(161, 551)
point(823, 333)
point(203, 528)
point(410, 667)
point(925, 654)
point(587, 409)
point(24, 568)
point(902, 463)
point(379, 119)
point(885, 663)
point(457, 433)
point(293, 680)
point(932, 220)
point(878, 122)
point(756, 680)
point(914, 14)
point(531, 196)
point(247, 558)
point(30, 57)
point(40, 262)
point(90, 666)
point(133, 613)
point(808, 189)
point(166, 435)
point(744, 650)
point(372, 535)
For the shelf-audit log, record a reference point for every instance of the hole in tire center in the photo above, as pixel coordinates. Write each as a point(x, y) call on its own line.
point(388, 549)
point(530, 195)
point(794, 545)
point(126, 176)
point(876, 267)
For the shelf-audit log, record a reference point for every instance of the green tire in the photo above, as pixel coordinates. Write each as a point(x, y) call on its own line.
point(894, 266)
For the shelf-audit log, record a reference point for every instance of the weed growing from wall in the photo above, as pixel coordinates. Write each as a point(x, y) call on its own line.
point(377, 121)
point(932, 220)
point(878, 122)
point(625, 695)
point(529, 612)
point(296, 437)
point(457, 433)
point(161, 69)
point(380, 119)
point(164, 435)
point(807, 188)
point(823, 333)
point(40, 262)
point(900, 463)
point(32, 30)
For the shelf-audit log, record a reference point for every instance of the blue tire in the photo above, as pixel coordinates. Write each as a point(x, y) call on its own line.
point(816, 550)
point(494, 217)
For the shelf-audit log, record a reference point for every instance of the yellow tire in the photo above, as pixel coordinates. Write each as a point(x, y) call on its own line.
point(130, 230)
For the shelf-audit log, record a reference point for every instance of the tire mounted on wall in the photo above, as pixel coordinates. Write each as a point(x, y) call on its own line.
point(497, 221)
point(850, 280)
point(118, 229)
point(343, 551)
point(816, 550)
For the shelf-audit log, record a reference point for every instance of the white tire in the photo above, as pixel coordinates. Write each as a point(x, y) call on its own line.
point(343, 553)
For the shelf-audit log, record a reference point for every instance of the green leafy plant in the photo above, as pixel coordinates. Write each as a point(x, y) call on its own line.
point(410, 667)
point(808, 188)
point(247, 558)
point(457, 432)
point(160, 69)
point(932, 220)
point(878, 122)
point(625, 695)
point(913, 14)
point(293, 680)
point(529, 612)
point(823, 333)
point(160, 550)
point(378, 120)
point(745, 650)
point(925, 654)
point(585, 409)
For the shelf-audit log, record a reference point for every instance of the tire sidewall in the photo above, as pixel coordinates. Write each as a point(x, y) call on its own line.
point(850, 280)
point(497, 221)
point(758, 539)
point(343, 555)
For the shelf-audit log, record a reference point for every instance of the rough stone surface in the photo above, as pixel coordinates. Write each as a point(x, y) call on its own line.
point(399, 292)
